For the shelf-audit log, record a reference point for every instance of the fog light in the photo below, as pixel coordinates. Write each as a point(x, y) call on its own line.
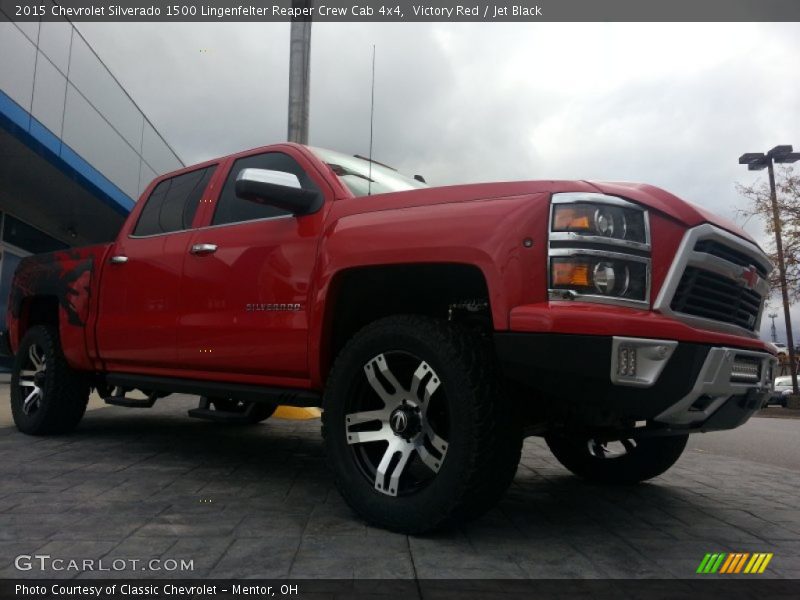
point(746, 369)
point(638, 362)
point(626, 361)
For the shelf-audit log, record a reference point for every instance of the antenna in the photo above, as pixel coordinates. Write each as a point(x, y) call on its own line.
point(371, 121)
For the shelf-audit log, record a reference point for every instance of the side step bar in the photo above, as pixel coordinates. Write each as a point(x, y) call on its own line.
point(132, 402)
point(204, 411)
point(238, 391)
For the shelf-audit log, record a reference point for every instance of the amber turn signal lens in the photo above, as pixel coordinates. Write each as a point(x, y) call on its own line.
point(572, 218)
point(570, 274)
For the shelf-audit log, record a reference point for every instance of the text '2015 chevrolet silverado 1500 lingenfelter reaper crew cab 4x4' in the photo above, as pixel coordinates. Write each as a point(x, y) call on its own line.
point(435, 326)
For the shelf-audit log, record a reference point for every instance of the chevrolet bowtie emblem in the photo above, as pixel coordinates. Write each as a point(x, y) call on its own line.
point(750, 277)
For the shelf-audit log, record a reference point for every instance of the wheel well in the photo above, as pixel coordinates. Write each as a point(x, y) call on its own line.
point(365, 294)
point(38, 310)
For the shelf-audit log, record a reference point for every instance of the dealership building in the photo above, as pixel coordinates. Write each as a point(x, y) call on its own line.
point(75, 149)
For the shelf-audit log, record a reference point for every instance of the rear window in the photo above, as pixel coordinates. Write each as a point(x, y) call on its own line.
point(173, 203)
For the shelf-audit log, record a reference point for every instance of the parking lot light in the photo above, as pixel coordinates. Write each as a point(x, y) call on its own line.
point(757, 161)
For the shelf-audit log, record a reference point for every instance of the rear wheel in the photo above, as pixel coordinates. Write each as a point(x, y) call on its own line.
point(254, 411)
point(621, 461)
point(417, 431)
point(47, 395)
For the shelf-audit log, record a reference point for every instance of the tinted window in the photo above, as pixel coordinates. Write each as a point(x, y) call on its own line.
point(173, 203)
point(231, 209)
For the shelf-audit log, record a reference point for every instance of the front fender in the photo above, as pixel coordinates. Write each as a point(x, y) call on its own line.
point(487, 234)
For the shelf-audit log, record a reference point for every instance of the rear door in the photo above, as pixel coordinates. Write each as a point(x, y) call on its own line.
point(138, 311)
point(245, 288)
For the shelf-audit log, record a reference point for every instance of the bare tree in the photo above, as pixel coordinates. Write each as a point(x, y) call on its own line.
point(787, 187)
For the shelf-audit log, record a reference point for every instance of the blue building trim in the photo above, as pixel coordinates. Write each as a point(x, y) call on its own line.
point(25, 127)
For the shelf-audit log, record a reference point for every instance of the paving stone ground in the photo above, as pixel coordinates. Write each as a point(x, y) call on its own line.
point(258, 502)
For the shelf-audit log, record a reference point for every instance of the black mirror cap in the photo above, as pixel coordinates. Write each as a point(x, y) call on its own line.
point(297, 201)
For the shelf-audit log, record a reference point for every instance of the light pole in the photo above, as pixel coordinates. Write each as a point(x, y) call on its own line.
point(773, 316)
point(756, 161)
point(299, 72)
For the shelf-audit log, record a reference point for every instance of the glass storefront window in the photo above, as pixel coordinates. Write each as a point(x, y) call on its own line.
point(28, 238)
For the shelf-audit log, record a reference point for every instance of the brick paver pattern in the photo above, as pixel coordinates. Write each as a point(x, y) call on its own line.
point(258, 501)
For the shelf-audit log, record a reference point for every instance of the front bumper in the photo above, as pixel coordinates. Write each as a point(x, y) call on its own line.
point(696, 389)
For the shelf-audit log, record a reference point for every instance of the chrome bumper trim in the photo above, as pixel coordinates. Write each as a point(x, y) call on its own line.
point(714, 382)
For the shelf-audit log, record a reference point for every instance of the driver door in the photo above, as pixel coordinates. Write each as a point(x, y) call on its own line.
point(244, 299)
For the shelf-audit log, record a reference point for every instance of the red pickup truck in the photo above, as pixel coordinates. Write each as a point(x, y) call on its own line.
point(436, 326)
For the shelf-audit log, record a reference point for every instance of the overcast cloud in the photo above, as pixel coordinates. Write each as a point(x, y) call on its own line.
point(670, 104)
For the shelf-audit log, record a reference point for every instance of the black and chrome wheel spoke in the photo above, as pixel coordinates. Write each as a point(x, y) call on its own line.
point(424, 373)
point(611, 449)
point(372, 369)
point(32, 400)
point(30, 380)
point(35, 354)
point(362, 437)
point(393, 464)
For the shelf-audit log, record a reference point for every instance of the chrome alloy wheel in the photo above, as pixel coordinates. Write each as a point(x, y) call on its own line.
point(397, 431)
point(612, 449)
point(32, 378)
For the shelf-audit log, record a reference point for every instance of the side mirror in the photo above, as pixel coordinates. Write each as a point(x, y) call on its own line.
point(278, 189)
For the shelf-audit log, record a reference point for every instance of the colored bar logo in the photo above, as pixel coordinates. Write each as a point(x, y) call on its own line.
point(734, 563)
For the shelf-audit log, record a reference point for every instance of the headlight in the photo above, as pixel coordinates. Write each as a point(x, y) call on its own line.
point(600, 220)
point(599, 276)
point(599, 249)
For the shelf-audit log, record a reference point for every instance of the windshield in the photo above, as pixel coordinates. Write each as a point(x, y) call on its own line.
point(356, 174)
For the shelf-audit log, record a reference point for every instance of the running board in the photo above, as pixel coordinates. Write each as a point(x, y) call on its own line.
point(217, 389)
point(132, 402)
point(203, 411)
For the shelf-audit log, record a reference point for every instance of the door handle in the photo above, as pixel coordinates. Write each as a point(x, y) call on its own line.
point(118, 260)
point(203, 249)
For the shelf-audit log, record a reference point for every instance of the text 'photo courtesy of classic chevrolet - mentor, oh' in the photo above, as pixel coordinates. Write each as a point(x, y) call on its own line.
point(435, 326)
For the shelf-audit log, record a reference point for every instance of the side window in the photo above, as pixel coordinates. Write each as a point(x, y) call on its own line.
point(231, 209)
point(173, 203)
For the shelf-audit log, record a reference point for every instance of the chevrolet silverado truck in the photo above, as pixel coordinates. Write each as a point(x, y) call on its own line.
point(435, 326)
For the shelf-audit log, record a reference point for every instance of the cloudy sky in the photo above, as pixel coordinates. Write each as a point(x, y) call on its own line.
point(670, 104)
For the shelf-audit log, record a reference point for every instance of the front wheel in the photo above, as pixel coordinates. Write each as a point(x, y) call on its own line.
point(47, 395)
point(623, 461)
point(417, 430)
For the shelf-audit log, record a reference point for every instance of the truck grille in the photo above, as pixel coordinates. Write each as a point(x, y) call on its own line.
point(710, 296)
point(722, 251)
point(717, 281)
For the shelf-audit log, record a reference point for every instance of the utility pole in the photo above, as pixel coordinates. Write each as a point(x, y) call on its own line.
point(774, 316)
point(299, 72)
point(756, 161)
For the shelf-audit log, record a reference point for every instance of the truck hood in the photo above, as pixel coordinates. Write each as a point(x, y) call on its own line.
point(686, 212)
point(650, 196)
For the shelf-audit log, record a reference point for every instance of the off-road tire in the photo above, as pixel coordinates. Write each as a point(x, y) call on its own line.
point(64, 391)
point(485, 435)
point(651, 457)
